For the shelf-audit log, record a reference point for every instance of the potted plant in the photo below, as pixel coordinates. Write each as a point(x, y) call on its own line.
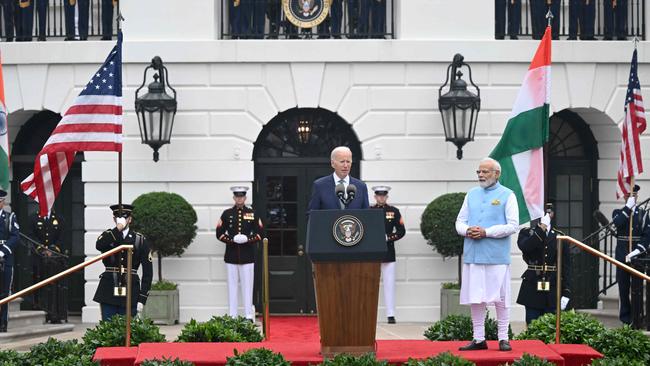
point(438, 227)
point(168, 222)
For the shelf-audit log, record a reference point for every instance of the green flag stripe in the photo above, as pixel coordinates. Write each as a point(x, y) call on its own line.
point(509, 179)
point(527, 130)
point(4, 170)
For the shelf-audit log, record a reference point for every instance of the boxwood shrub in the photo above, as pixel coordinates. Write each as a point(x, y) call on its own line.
point(220, 329)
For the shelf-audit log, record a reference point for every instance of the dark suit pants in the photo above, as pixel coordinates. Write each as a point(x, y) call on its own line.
point(514, 18)
point(7, 279)
point(8, 10)
point(581, 16)
point(27, 19)
point(623, 279)
point(615, 19)
point(378, 18)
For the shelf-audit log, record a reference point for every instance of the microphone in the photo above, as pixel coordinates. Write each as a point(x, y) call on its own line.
point(352, 191)
point(340, 191)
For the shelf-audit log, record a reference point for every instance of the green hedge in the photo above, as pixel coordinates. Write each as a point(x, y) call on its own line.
point(459, 328)
point(577, 328)
point(166, 362)
point(530, 360)
point(347, 360)
point(443, 359)
point(112, 332)
point(257, 357)
point(220, 329)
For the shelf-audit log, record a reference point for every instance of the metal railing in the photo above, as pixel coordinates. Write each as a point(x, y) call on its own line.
point(532, 19)
point(594, 252)
point(84, 19)
point(58, 276)
point(347, 19)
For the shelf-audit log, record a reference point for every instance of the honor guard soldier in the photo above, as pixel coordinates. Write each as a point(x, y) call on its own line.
point(538, 11)
point(50, 261)
point(9, 235)
point(615, 19)
point(107, 19)
point(538, 245)
point(8, 10)
point(111, 291)
point(27, 18)
point(640, 224)
point(514, 18)
point(378, 18)
point(240, 230)
point(582, 14)
point(83, 8)
point(394, 231)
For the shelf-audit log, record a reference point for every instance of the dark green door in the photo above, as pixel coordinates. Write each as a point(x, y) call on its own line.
point(281, 200)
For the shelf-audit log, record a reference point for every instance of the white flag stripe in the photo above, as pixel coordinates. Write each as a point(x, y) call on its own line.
point(97, 100)
point(533, 93)
point(72, 119)
point(47, 178)
point(84, 137)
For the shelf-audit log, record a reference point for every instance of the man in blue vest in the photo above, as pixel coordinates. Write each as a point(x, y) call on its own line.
point(487, 218)
point(9, 232)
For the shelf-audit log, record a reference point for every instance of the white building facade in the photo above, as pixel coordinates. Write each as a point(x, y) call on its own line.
point(385, 90)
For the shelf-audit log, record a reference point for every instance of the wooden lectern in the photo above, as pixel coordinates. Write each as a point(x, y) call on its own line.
point(346, 248)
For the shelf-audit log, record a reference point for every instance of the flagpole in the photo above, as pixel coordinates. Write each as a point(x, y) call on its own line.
point(629, 237)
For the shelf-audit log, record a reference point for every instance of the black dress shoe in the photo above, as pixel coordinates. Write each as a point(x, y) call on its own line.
point(474, 346)
point(514, 37)
point(621, 38)
point(106, 38)
point(42, 39)
point(391, 320)
point(572, 38)
point(10, 39)
point(504, 345)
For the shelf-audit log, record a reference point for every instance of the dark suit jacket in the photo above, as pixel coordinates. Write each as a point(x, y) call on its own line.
point(324, 198)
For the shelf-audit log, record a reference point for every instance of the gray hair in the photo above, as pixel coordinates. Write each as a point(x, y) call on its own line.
point(495, 163)
point(339, 149)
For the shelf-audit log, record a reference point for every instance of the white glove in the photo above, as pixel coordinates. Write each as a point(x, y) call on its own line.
point(121, 223)
point(634, 253)
point(2, 254)
point(546, 220)
point(240, 239)
point(564, 301)
point(630, 202)
point(140, 307)
point(386, 237)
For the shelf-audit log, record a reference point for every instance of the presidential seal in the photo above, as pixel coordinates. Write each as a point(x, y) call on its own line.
point(306, 13)
point(348, 230)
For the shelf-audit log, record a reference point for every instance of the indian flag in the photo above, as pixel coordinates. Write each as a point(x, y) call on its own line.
point(4, 136)
point(520, 149)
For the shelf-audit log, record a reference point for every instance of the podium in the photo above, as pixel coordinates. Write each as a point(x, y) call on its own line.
point(346, 248)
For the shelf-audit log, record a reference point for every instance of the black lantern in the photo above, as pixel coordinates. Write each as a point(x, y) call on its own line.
point(459, 107)
point(156, 109)
point(304, 131)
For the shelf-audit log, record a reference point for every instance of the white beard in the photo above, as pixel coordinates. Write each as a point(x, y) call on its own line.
point(487, 183)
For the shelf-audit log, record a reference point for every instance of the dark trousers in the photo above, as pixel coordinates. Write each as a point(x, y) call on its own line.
point(336, 12)
point(84, 8)
point(240, 18)
point(623, 279)
point(514, 18)
point(107, 19)
point(273, 13)
point(8, 13)
point(538, 10)
point(532, 313)
point(7, 278)
point(258, 18)
point(581, 15)
point(378, 18)
point(615, 19)
point(27, 20)
point(109, 310)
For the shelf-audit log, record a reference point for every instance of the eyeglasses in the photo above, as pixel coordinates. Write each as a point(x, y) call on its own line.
point(484, 171)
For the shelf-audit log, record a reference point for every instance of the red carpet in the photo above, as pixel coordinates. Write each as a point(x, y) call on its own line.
point(298, 341)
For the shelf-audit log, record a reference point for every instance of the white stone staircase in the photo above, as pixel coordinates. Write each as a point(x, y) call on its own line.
point(607, 311)
point(27, 324)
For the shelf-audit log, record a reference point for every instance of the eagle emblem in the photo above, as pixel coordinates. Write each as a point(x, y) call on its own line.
point(306, 13)
point(348, 230)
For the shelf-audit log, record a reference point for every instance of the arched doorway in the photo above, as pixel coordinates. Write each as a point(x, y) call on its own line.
point(292, 151)
point(69, 205)
point(572, 154)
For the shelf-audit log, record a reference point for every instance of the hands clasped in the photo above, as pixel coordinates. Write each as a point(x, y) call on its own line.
point(475, 232)
point(633, 254)
point(240, 239)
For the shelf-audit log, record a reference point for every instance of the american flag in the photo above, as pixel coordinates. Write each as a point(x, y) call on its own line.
point(92, 123)
point(633, 125)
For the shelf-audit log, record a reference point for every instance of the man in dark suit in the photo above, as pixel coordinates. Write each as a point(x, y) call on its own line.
point(8, 14)
point(111, 291)
point(240, 230)
point(323, 192)
point(615, 18)
point(538, 246)
point(9, 232)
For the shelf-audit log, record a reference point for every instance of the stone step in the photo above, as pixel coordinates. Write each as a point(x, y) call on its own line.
point(609, 317)
point(609, 301)
point(25, 318)
point(34, 331)
point(14, 306)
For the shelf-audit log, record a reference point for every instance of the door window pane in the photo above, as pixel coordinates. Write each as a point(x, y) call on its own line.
point(274, 188)
point(562, 187)
point(275, 242)
point(576, 187)
point(290, 217)
point(289, 188)
point(275, 216)
point(290, 243)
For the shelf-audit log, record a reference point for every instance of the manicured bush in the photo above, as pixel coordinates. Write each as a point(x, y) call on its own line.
point(627, 343)
point(257, 357)
point(459, 328)
point(59, 353)
point(576, 328)
point(443, 359)
point(164, 286)
point(438, 226)
point(112, 333)
point(168, 222)
point(618, 361)
point(12, 358)
point(347, 360)
point(166, 362)
point(530, 360)
point(220, 329)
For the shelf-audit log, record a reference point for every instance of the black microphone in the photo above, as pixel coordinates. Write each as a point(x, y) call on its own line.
point(352, 191)
point(340, 191)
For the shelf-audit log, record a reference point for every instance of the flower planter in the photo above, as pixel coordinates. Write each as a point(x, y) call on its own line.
point(450, 303)
point(162, 307)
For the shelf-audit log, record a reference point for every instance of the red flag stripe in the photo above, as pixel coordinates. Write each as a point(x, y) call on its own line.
point(95, 127)
point(94, 109)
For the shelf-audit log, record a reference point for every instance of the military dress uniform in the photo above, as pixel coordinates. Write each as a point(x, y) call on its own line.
point(8, 14)
point(582, 14)
point(49, 261)
point(514, 18)
point(538, 11)
point(107, 19)
point(537, 292)
point(111, 291)
point(240, 257)
point(9, 236)
point(615, 19)
point(84, 8)
point(378, 18)
point(395, 230)
point(640, 226)
point(27, 18)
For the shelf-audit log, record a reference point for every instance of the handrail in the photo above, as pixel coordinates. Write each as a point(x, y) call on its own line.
point(79, 266)
point(592, 251)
